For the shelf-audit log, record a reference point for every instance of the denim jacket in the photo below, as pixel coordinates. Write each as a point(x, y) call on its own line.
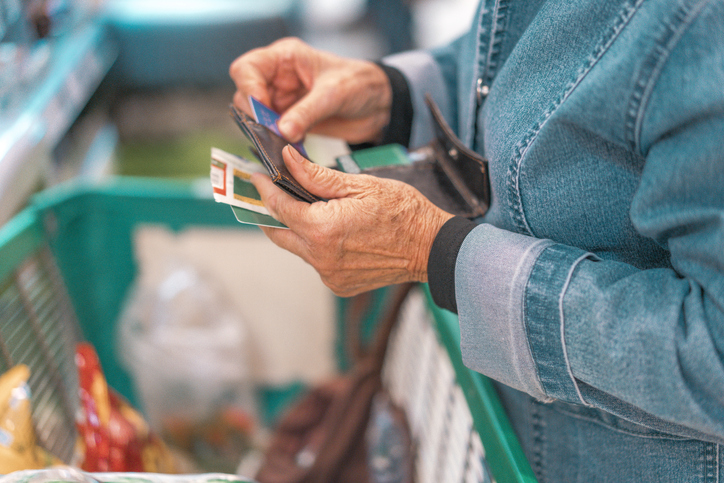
point(594, 286)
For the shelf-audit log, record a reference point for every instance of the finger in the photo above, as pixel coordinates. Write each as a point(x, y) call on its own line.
point(252, 74)
point(303, 115)
point(242, 102)
point(286, 239)
point(281, 205)
point(321, 181)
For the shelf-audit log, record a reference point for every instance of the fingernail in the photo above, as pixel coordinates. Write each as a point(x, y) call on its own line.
point(295, 154)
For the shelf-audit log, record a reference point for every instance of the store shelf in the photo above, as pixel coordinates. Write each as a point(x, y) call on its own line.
point(40, 111)
point(165, 43)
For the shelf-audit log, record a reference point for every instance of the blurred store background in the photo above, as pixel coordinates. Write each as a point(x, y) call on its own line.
point(93, 89)
point(140, 87)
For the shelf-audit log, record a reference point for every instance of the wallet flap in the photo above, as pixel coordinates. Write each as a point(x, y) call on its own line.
point(269, 146)
point(466, 169)
point(450, 175)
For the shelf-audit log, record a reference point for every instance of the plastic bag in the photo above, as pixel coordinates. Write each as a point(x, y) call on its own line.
point(186, 350)
point(74, 475)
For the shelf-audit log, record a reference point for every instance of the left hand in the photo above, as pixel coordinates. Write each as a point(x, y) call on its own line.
point(371, 233)
point(315, 91)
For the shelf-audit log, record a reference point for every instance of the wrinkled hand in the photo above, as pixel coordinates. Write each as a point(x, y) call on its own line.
point(372, 232)
point(315, 91)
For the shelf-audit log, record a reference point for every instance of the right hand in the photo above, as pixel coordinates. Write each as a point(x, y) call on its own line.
point(371, 232)
point(315, 91)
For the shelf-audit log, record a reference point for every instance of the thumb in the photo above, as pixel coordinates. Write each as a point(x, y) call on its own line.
point(296, 121)
point(324, 182)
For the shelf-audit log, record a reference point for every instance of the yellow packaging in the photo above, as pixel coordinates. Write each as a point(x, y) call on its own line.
point(18, 443)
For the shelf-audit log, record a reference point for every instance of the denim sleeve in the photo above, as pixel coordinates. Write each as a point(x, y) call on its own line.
point(655, 338)
point(558, 323)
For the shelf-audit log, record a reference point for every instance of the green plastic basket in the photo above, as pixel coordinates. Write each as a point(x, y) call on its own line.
point(66, 263)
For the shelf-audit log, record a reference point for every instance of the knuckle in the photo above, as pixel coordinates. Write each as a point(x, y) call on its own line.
point(336, 288)
point(274, 204)
point(323, 236)
point(303, 113)
point(237, 69)
point(294, 41)
point(288, 44)
point(328, 177)
point(316, 242)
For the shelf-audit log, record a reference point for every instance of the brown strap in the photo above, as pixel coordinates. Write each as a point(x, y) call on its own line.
point(382, 335)
point(358, 307)
point(329, 424)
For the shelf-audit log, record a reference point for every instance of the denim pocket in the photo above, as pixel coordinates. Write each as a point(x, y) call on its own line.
point(576, 443)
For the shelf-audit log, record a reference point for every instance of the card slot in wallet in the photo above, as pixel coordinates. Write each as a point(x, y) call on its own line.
point(268, 146)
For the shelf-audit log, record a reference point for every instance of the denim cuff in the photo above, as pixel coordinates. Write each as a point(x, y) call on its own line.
point(545, 321)
point(491, 275)
point(424, 76)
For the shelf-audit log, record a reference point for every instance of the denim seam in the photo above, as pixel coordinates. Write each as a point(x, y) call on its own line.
point(675, 29)
point(523, 311)
point(481, 38)
point(710, 463)
point(542, 320)
point(522, 147)
point(496, 39)
point(563, 325)
point(621, 430)
point(487, 70)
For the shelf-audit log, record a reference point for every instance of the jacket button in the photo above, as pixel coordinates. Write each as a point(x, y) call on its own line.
point(482, 90)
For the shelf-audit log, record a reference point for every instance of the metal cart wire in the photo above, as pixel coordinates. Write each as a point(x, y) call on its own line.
point(66, 263)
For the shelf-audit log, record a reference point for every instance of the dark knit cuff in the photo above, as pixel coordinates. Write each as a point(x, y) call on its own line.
point(441, 264)
point(400, 127)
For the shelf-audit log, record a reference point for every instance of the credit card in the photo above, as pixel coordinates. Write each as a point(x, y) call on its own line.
point(268, 117)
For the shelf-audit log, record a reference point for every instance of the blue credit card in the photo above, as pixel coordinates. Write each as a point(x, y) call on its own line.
point(269, 118)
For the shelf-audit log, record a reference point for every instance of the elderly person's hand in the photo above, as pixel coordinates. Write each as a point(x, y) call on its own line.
point(315, 91)
point(372, 232)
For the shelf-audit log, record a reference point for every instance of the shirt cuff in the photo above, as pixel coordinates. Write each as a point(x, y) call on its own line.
point(441, 263)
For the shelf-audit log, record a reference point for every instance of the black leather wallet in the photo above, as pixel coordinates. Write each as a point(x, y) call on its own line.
point(267, 146)
point(449, 174)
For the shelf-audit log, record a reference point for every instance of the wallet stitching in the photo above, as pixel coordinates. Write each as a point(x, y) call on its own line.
point(260, 146)
point(279, 175)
